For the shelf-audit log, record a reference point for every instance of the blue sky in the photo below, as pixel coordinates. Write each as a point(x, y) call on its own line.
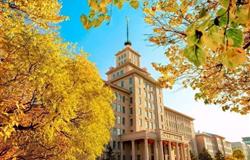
point(104, 42)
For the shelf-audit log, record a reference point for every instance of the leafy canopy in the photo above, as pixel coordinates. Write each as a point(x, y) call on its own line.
point(238, 154)
point(53, 103)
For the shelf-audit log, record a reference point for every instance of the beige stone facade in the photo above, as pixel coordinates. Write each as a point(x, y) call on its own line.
point(145, 129)
point(213, 143)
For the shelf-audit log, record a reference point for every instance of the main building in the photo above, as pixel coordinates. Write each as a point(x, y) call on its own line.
point(145, 129)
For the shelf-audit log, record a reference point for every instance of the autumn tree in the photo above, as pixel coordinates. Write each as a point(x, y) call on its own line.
point(192, 156)
point(229, 158)
point(238, 154)
point(53, 103)
point(207, 45)
point(219, 155)
point(204, 155)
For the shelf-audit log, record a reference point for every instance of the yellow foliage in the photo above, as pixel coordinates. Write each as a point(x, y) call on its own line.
point(53, 103)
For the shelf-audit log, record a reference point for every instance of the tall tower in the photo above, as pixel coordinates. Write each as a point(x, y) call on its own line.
point(144, 128)
point(127, 54)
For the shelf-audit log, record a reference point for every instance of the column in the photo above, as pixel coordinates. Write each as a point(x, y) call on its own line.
point(155, 150)
point(188, 150)
point(121, 146)
point(177, 151)
point(161, 151)
point(170, 151)
point(133, 149)
point(146, 149)
point(184, 151)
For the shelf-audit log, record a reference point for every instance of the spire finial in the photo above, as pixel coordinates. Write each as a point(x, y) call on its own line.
point(127, 42)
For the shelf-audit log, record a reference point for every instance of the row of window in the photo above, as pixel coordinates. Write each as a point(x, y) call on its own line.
point(122, 83)
point(117, 74)
point(120, 120)
point(118, 131)
point(120, 97)
point(119, 108)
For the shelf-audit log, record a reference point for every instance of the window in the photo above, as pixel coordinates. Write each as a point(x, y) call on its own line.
point(118, 108)
point(139, 91)
point(140, 122)
point(114, 106)
point(119, 131)
point(114, 144)
point(130, 89)
point(130, 81)
point(123, 109)
point(140, 112)
point(118, 120)
point(151, 125)
point(139, 100)
point(123, 99)
point(114, 131)
point(147, 124)
point(131, 100)
point(139, 80)
point(113, 76)
point(150, 115)
point(131, 110)
point(131, 122)
point(123, 120)
point(122, 83)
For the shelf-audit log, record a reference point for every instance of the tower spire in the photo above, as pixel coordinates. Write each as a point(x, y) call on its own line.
point(127, 42)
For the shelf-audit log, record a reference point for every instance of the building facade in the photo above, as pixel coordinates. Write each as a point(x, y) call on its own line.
point(213, 143)
point(145, 129)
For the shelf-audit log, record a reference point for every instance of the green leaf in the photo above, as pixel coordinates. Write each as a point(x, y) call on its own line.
point(224, 3)
point(134, 4)
point(236, 35)
point(195, 54)
point(222, 17)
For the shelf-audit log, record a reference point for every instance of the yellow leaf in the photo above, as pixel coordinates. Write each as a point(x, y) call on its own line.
point(134, 4)
point(234, 57)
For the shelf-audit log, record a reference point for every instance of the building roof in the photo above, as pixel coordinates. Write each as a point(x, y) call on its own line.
point(137, 71)
point(113, 69)
point(128, 47)
point(172, 110)
point(117, 87)
point(209, 135)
